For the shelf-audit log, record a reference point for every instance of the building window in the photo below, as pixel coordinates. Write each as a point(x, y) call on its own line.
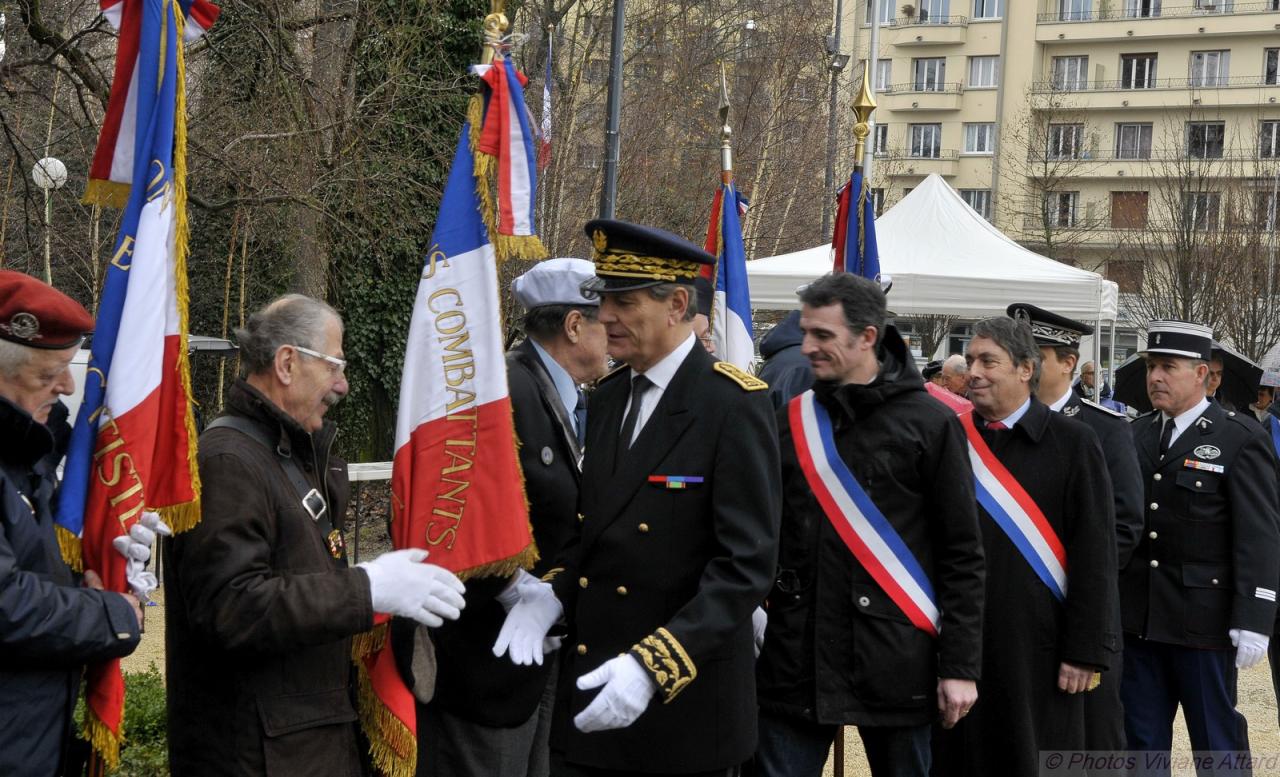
point(984, 72)
point(1074, 10)
point(979, 138)
point(1065, 141)
point(1070, 74)
point(877, 201)
point(979, 200)
point(1141, 9)
point(929, 75)
point(880, 140)
point(1206, 139)
point(1264, 210)
point(1209, 68)
point(934, 11)
point(1133, 141)
point(1138, 71)
point(886, 12)
point(1269, 140)
point(1128, 210)
point(986, 9)
point(926, 141)
point(884, 75)
point(1060, 208)
point(1200, 210)
point(1271, 66)
point(1214, 6)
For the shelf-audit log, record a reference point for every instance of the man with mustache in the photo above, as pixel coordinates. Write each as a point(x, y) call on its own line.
point(1198, 598)
point(261, 605)
point(50, 624)
point(677, 541)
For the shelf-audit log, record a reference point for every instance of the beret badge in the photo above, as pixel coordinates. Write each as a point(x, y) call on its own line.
point(24, 326)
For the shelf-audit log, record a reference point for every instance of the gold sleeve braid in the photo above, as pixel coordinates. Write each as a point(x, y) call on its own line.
point(551, 574)
point(662, 655)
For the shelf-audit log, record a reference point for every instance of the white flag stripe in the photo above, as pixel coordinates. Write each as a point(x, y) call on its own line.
point(521, 186)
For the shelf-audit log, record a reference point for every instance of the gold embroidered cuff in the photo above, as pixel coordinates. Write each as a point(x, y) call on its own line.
point(551, 574)
point(662, 655)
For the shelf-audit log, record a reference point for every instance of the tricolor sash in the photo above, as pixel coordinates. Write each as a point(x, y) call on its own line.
point(863, 528)
point(1013, 510)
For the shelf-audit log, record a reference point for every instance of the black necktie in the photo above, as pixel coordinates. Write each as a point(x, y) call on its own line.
point(580, 417)
point(639, 385)
point(1166, 436)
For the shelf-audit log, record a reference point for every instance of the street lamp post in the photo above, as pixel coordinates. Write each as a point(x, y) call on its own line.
point(836, 66)
point(49, 174)
point(612, 137)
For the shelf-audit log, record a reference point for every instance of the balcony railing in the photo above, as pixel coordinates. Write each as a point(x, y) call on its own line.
point(917, 88)
point(1158, 155)
point(905, 153)
point(913, 21)
point(1114, 14)
point(1141, 85)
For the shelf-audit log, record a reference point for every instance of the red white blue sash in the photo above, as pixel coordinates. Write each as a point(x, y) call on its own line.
point(860, 524)
point(1013, 510)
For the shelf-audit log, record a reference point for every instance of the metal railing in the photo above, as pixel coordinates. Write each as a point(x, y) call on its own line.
point(1170, 12)
point(1148, 84)
point(925, 20)
point(944, 154)
point(1111, 155)
point(918, 88)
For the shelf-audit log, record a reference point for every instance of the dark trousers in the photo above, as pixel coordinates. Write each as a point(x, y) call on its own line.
point(792, 747)
point(1158, 678)
point(559, 768)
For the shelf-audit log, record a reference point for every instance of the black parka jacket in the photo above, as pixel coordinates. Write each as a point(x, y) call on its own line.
point(837, 649)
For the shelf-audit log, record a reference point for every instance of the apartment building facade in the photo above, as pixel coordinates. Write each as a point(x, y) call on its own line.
point(1082, 128)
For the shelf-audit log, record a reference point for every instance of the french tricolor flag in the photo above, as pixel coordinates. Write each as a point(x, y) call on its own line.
point(731, 302)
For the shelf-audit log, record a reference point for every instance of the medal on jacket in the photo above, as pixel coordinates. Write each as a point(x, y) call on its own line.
point(336, 544)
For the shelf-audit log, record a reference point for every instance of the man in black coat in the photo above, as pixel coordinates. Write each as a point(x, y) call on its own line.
point(785, 369)
point(840, 647)
point(678, 539)
point(1059, 340)
point(1049, 536)
point(1202, 580)
point(490, 717)
point(50, 624)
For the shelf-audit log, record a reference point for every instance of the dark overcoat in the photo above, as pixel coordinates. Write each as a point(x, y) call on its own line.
point(50, 627)
point(471, 682)
point(259, 613)
point(1027, 631)
point(828, 618)
point(673, 574)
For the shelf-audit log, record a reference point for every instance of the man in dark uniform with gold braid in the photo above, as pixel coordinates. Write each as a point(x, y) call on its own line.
point(678, 541)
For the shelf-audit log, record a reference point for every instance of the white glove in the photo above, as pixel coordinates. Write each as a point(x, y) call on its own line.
point(511, 594)
point(759, 619)
point(400, 584)
point(136, 549)
point(1250, 647)
point(527, 623)
point(628, 688)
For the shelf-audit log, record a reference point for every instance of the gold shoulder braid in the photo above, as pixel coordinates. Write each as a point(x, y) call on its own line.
point(662, 655)
point(746, 380)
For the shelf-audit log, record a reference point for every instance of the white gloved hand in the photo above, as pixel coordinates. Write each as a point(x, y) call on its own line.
point(136, 549)
point(1250, 647)
point(759, 620)
point(400, 584)
point(628, 689)
point(511, 594)
point(528, 622)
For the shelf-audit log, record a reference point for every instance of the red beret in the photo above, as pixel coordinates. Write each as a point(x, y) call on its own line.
point(34, 314)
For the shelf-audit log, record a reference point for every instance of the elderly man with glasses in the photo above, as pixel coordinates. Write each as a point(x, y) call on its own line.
point(261, 603)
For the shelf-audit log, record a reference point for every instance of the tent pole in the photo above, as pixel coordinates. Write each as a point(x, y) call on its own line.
point(1097, 361)
point(1111, 355)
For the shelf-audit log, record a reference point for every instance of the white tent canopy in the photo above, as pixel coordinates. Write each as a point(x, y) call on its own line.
point(946, 259)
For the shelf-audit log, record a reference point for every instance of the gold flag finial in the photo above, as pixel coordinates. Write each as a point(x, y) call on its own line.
point(726, 131)
point(496, 25)
point(863, 105)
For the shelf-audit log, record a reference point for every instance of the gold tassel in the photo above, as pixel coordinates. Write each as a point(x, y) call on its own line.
point(69, 545)
point(181, 517)
point(393, 746)
point(369, 642)
point(485, 170)
point(112, 194)
point(503, 567)
point(104, 742)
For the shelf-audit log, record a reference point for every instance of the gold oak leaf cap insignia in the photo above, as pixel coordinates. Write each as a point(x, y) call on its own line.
point(746, 380)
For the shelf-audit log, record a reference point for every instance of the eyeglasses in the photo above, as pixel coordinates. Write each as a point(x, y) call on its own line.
point(338, 365)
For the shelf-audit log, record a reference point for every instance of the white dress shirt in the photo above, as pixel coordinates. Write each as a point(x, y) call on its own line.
point(1183, 420)
point(660, 376)
point(1062, 401)
point(566, 389)
point(1013, 417)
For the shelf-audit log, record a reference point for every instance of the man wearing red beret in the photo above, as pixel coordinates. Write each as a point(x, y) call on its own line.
point(50, 625)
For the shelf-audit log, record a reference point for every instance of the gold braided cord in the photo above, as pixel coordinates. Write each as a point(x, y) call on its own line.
point(653, 267)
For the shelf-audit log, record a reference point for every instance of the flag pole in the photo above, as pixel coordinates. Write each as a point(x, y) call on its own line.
point(726, 132)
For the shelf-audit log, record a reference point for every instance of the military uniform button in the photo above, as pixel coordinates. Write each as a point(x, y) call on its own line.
point(864, 601)
point(1214, 581)
point(582, 649)
point(1156, 476)
point(1231, 413)
point(583, 582)
point(1153, 535)
point(1199, 484)
point(1154, 563)
point(581, 518)
point(622, 590)
point(644, 528)
point(1155, 506)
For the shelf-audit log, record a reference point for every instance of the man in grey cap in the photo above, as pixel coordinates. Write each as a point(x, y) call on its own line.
point(490, 717)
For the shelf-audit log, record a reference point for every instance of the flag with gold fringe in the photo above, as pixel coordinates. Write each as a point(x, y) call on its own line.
point(457, 488)
point(133, 445)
